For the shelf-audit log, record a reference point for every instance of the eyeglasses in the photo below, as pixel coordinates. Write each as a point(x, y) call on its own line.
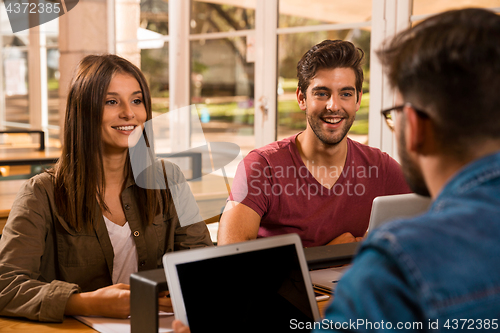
point(390, 114)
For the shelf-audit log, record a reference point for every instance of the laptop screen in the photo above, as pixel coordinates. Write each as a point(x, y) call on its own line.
point(245, 292)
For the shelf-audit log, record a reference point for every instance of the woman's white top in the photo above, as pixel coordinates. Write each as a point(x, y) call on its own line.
point(125, 260)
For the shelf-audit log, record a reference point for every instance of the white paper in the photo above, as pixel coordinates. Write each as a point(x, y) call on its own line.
point(112, 325)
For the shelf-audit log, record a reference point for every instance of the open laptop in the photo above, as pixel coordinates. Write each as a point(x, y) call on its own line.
point(384, 209)
point(391, 207)
point(253, 286)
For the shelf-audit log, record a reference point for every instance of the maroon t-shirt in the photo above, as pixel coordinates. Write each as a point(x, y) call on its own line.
point(275, 183)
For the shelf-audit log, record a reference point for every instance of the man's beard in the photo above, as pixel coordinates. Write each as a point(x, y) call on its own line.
point(316, 124)
point(411, 171)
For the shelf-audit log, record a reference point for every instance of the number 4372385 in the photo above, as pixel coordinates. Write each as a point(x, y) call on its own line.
point(33, 8)
point(470, 324)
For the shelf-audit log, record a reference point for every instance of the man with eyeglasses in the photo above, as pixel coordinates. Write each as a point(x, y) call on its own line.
point(439, 271)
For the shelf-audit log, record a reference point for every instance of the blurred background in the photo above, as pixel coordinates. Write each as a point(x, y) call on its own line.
point(234, 60)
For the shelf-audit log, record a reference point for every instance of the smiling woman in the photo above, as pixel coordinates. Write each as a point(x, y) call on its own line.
point(123, 111)
point(76, 232)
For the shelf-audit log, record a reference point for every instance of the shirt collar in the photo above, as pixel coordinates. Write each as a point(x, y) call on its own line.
point(472, 175)
point(130, 181)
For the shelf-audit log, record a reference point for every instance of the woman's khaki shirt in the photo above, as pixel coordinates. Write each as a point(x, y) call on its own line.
point(43, 260)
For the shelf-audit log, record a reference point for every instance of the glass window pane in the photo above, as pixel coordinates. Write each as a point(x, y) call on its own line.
point(222, 87)
point(52, 41)
point(53, 85)
point(15, 72)
point(228, 15)
point(154, 65)
point(291, 47)
point(422, 7)
point(296, 13)
point(51, 31)
point(154, 16)
point(15, 83)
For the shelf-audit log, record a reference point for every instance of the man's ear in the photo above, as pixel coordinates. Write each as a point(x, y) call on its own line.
point(301, 99)
point(358, 102)
point(418, 131)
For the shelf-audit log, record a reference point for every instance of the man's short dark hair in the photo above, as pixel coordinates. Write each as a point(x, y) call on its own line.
point(449, 66)
point(330, 54)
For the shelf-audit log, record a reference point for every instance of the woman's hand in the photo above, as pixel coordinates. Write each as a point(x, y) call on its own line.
point(164, 302)
point(179, 327)
point(112, 301)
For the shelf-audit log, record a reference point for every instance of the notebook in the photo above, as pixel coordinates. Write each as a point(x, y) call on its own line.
point(391, 207)
point(243, 287)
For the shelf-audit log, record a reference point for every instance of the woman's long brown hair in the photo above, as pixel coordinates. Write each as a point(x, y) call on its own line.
point(79, 175)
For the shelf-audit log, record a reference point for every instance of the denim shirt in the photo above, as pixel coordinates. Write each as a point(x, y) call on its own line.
point(436, 272)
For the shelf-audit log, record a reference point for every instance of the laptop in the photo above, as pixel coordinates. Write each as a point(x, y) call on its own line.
point(253, 286)
point(391, 207)
point(325, 280)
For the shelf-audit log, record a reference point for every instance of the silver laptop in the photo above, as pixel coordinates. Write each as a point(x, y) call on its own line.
point(243, 287)
point(325, 280)
point(391, 207)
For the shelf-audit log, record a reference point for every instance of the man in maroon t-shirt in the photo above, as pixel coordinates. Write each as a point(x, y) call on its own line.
point(317, 183)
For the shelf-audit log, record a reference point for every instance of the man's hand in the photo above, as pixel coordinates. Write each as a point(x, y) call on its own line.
point(179, 327)
point(112, 301)
point(346, 237)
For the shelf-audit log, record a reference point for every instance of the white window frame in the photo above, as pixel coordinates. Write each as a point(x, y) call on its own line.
point(179, 71)
point(266, 71)
point(388, 18)
point(37, 80)
point(266, 34)
point(37, 84)
point(266, 12)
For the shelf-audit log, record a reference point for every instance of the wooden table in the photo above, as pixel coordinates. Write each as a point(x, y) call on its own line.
point(322, 305)
point(40, 133)
point(70, 324)
point(28, 156)
point(8, 192)
point(16, 157)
